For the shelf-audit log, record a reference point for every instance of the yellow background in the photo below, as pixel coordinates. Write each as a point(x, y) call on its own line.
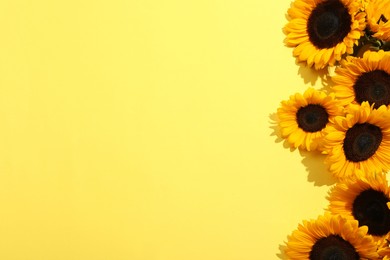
point(143, 130)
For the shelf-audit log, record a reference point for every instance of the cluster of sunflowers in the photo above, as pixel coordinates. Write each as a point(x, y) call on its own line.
point(349, 122)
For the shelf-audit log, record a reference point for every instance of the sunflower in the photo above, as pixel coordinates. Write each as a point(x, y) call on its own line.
point(303, 118)
point(378, 14)
point(322, 31)
point(364, 79)
point(384, 248)
point(364, 199)
point(359, 140)
point(330, 237)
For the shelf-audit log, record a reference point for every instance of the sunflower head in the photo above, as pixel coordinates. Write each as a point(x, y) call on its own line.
point(322, 31)
point(378, 16)
point(364, 199)
point(331, 237)
point(364, 79)
point(359, 141)
point(304, 118)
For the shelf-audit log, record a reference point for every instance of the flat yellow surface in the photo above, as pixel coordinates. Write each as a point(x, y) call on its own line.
point(142, 130)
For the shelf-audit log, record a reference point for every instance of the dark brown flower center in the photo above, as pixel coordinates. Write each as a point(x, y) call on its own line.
point(333, 247)
point(370, 209)
point(312, 118)
point(328, 24)
point(374, 87)
point(361, 142)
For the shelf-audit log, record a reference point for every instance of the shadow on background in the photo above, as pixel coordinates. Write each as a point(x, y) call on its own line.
point(281, 255)
point(318, 172)
point(312, 76)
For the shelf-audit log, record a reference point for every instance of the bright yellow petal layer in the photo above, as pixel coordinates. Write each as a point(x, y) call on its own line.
point(298, 38)
point(351, 69)
point(336, 159)
point(289, 128)
point(342, 196)
point(301, 241)
point(377, 10)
